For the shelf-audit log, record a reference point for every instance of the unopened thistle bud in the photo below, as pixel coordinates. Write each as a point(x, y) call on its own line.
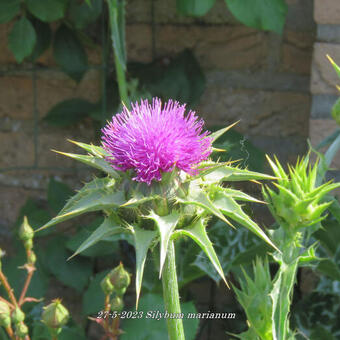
point(5, 315)
point(32, 258)
point(21, 330)
point(55, 316)
point(116, 303)
point(18, 315)
point(26, 234)
point(117, 280)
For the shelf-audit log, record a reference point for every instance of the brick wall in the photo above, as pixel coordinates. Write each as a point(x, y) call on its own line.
point(323, 78)
point(257, 77)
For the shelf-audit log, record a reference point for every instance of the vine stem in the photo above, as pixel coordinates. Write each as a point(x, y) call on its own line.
point(171, 295)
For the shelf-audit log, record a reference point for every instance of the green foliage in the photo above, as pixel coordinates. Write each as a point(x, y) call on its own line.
point(22, 39)
point(47, 10)
point(69, 112)
point(195, 8)
point(267, 15)
point(181, 78)
point(44, 38)
point(57, 194)
point(69, 53)
point(93, 298)
point(148, 328)
point(74, 273)
point(255, 299)
point(83, 14)
point(8, 10)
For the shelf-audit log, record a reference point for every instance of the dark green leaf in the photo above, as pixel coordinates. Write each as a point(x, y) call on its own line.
point(268, 15)
point(195, 8)
point(8, 10)
point(69, 53)
point(149, 328)
point(93, 298)
point(47, 10)
point(329, 268)
point(182, 79)
point(81, 14)
point(69, 112)
point(41, 332)
point(57, 194)
point(22, 39)
point(239, 148)
point(74, 273)
point(44, 35)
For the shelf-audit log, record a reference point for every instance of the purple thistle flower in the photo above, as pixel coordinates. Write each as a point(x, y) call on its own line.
point(152, 139)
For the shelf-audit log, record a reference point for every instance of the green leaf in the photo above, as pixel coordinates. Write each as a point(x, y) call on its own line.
point(166, 225)
point(83, 14)
point(47, 10)
point(281, 296)
point(223, 172)
point(22, 39)
point(44, 37)
point(181, 79)
point(8, 10)
point(94, 150)
point(69, 53)
point(150, 328)
point(199, 198)
point(229, 207)
point(195, 8)
point(89, 199)
point(336, 111)
point(69, 112)
point(108, 228)
point(329, 268)
point(329, 139)
point(267, 15)
point(198, 233)
point(74, 273)
point(143, 240)
point(57, 194)
point(217, 134)
point(94, 298)
point(117, 28)
point(95, 162)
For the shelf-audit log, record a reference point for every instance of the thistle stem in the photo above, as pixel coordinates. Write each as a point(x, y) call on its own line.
point(121, 80)
point(171, 295)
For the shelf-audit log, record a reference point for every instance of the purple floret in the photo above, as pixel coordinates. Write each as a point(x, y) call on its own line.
point(152, 139)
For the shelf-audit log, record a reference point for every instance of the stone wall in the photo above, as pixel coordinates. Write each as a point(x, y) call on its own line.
point(259, 78)
point(324, 78)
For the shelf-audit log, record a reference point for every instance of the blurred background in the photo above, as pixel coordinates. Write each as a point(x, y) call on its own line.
point(280, 87)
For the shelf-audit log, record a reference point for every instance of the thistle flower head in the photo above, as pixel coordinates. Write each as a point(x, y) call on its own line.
point(155, 138)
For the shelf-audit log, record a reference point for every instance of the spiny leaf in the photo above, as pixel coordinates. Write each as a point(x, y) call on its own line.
point(143, 239)
point(108, 228)
point(229, 207)
point(199, 198)
point(215, 135)
point(95, 162)
point(137, 199)
point(166, 225)
point(95, 150)
point(240, 196)
point(87, 201)
point(335, 66)
point(200, 236)
point(224, 172)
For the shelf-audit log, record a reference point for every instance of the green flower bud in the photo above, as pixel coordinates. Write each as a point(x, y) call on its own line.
point(107, 286)
point(32, 258)
point(116, 303)
point(18, 316)
point(25, 231)
point(21, 330)
point(5, 314)
point(55, 315)
point(119, 277)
